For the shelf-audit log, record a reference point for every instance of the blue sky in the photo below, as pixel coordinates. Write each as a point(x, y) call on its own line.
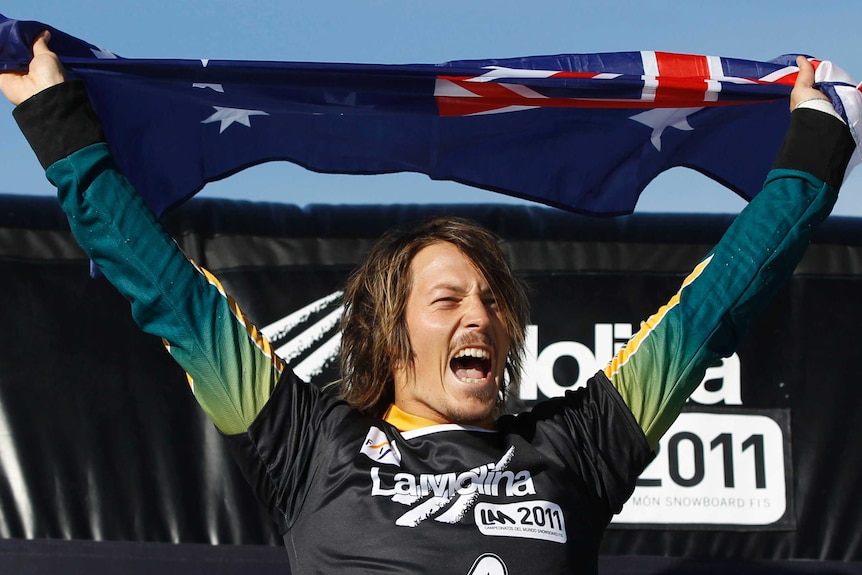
point(405, 31)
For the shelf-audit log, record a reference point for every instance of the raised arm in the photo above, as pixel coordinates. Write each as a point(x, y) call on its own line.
point(666, 360)
point(231, 366)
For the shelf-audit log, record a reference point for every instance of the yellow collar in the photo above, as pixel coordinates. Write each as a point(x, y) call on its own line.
point(404, 421)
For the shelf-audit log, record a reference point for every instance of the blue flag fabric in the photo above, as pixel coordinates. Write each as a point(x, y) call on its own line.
point(584, 132)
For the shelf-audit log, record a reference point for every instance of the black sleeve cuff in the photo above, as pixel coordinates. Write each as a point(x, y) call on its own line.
point(59, 121)
point(817, 143)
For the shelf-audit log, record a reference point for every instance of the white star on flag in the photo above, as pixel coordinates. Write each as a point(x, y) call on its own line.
point(228, 116)
point(213, 87)
point(660, 118)
point(103, 54)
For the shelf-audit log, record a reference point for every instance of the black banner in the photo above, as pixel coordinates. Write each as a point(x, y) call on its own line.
point(100, 438)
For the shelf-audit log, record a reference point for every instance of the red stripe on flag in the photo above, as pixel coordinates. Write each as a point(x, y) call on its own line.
point(456, 106)
point(682, 65)
point(681, 77)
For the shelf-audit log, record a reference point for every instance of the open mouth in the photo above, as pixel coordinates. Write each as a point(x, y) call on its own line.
point(472, 365)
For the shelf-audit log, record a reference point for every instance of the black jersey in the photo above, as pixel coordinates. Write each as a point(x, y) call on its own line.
point(356, 495)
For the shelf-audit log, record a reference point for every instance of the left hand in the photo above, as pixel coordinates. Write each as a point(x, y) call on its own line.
point(45, 71)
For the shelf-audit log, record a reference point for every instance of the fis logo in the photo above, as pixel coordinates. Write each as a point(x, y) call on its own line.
point(377, 447)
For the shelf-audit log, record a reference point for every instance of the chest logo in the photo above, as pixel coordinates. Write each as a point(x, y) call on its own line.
point(447, 497)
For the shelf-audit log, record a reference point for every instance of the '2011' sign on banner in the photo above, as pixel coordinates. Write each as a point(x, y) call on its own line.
point(717, 468)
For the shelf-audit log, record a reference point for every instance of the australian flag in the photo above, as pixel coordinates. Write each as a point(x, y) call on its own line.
point(584, 132)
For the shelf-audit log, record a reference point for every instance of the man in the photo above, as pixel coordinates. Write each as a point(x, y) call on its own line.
point(408, 466)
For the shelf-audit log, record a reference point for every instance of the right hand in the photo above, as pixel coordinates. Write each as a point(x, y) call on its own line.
point(45, 71)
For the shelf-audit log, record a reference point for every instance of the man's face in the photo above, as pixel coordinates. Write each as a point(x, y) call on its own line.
point(459, 340)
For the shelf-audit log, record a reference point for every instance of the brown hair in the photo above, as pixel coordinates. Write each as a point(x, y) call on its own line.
point(374, 326)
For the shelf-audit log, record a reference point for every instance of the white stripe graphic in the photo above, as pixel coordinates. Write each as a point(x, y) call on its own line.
point(296, 346)
point(282, 327)
point(313, 365)
point(459, 509)
point(422, 512)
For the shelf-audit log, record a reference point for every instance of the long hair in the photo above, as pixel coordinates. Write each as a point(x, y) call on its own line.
point(374, 326)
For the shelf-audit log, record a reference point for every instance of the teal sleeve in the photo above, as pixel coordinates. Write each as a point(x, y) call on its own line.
point(666, 359)
point(231, 366)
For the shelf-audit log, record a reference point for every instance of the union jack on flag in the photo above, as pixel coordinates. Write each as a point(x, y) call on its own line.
point(628, 80)
point(584, 132)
